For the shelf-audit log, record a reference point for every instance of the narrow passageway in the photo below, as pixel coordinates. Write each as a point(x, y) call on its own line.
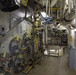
point(37, 37)
point(53, 66)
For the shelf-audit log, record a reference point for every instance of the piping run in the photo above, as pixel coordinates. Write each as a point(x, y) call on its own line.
point(24, 2)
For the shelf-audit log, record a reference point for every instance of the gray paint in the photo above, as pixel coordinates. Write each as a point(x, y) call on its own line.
point(4, 20)
point(18, 30)
point(72, 58)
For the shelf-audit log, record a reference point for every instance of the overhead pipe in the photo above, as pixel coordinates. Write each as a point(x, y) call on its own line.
point(10, 21)
point(24, 2)
point(71, 5)
point(69, 11)
point(61, 13)
point(47, 7)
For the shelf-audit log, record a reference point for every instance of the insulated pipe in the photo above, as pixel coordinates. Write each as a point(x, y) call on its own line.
point(71, 11)
point(46, 25)
point(24, 2)
point(74, 1)
point(71, 5)
point(21, 2)
point(46, 7)
point(61, 11)
point(49, 7)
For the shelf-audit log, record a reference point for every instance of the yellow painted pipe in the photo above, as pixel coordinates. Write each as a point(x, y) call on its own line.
point(29, 69)
point(24, 2)
point(55, 8)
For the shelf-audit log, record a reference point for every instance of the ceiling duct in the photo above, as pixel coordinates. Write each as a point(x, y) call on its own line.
point(8, 5)
point(11, 5)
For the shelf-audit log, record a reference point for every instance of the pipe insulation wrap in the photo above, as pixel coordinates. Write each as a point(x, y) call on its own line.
point(71, 5)
point(74, 3)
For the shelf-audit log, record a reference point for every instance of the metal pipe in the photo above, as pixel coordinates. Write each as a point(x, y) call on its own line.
point(61, 13)
point(46, 8)
point(29, 69)
point(10, 21)
point(32, 66)
point(49, 7)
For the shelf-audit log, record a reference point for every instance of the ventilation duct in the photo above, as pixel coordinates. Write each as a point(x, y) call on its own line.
point(9, 5)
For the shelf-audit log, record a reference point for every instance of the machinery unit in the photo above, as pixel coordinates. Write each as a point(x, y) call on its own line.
point(20, 53)
point(56, 37)
point(28, 27)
